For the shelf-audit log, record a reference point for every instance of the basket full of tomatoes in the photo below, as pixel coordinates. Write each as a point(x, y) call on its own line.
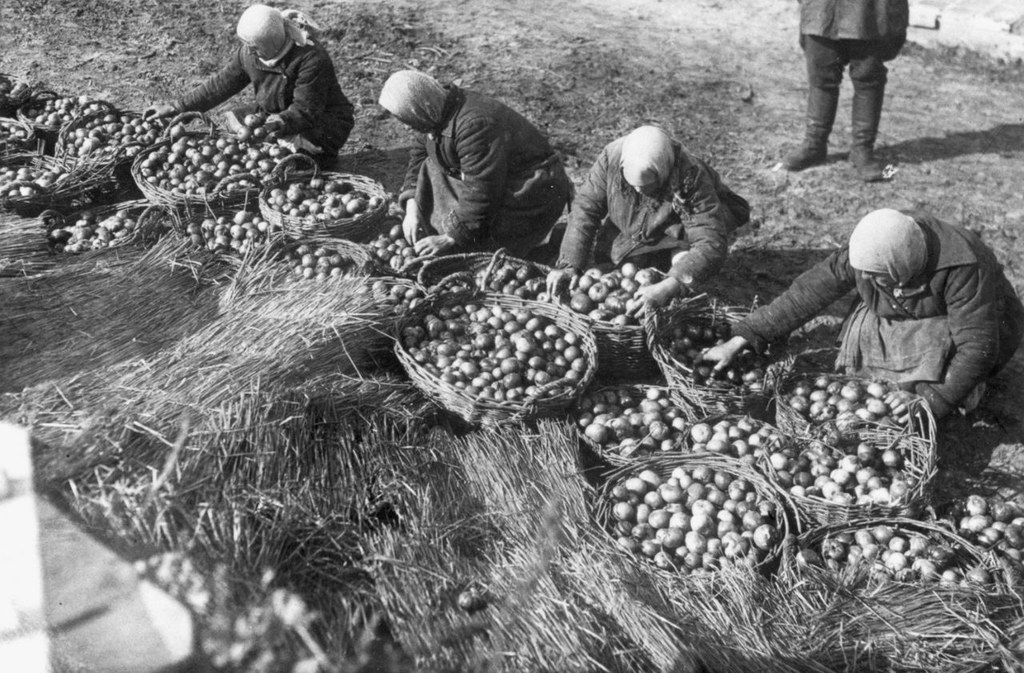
point(677, 336)
point(493, 359)
point(340, 205)
point(16, 138)
point(491, 272)
point(106, 226)
point(107, 136)
point(692, 514)
point(47, 111)
point(31, 184)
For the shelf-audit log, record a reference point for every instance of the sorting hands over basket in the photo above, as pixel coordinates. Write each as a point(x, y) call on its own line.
point(933, 310)
point(668, 210)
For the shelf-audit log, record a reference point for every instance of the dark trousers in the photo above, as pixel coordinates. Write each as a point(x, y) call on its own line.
point(826, 60)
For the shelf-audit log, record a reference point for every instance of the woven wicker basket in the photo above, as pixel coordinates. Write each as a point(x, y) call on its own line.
point(822, 541)
point(48, 132)
point(713, 396)
point(80, 188)
point(749, 454)
point(775, 509)
point(107, 154)
point(552, 399)
point(20, 91)
point(358, 258)
point(11, 146)
point(919, 463)
point(921, 421)
point(237, 190)
point(631, 395)
point(361, 228)
point(477, 269)
point(152, 222)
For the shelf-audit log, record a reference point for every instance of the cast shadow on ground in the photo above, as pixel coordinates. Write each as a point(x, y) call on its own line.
point(386, 166)
point(1001, 139)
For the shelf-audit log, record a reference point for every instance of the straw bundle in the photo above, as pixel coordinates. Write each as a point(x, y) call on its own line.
point(101, 308)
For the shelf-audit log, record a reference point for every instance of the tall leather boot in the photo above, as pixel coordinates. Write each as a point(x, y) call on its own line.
point(867, 112)
point(821, 113)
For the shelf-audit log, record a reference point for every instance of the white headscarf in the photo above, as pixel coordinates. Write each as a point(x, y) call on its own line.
point(887, 241)
point(415, 98)
point(270, 31)
point(648, 156)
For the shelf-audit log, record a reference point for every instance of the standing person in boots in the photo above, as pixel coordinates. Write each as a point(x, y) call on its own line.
point(862, 34)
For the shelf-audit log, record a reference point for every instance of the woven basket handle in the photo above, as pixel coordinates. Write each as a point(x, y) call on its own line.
point(284, 167)
point(227, 180)
point(442, 285)
point(412, 263)
point(190, 116)
point(499, 255)
point(41, 95)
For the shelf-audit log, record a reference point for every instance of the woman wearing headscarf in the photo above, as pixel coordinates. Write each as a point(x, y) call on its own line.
point(481, 177)
point(665, 208)
point(293, 78)
point(933, 310)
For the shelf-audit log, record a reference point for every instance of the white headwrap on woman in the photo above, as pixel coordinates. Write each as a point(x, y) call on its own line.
point(648, 156)
point(270, 32)
point(415, 98)
point(887, 241)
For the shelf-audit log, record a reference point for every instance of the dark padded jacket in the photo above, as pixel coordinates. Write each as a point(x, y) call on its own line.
point(962, 280)
point(854, 19)
point(490, 147)
point(302, 88)
point(694, 208)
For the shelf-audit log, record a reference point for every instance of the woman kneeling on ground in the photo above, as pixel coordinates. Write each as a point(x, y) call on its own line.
point(665, 209)
point(481, 177)
point(933, 312)
point(296, 87)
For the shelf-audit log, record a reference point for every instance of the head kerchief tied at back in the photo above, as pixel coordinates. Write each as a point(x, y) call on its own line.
point(647, 156)
point(414, 98)
point(889, 242)
point(267, 29)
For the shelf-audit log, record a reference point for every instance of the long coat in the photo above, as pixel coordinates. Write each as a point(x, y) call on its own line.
point(690, 214)
point(302, 88)
point(962, 281)
point(854, 19)
point(507, 186)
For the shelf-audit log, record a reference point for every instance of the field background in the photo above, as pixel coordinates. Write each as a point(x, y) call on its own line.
point(728, 79)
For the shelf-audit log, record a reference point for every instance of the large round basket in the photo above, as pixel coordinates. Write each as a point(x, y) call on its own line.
point(918, 457)
point(795, 417)
point(74, 189)
point(48, 132)
point(232, 190)
point(361, 227)
point(16, 139)
point(827, 549)
point(712, 395)
point(14, 91)
point(147, 223)
point(487, 271)
point(107, 150)
point(598, 411)
point(552, 398)
point(746, 544)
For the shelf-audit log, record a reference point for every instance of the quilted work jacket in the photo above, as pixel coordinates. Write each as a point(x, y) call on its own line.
point(854, 19)
point(962, 280)
point(302, 88)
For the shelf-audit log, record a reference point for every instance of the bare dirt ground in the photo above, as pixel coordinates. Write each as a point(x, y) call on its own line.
point(727, 78)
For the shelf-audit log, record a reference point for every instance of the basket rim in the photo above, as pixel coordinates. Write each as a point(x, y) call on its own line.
point(483, 411)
